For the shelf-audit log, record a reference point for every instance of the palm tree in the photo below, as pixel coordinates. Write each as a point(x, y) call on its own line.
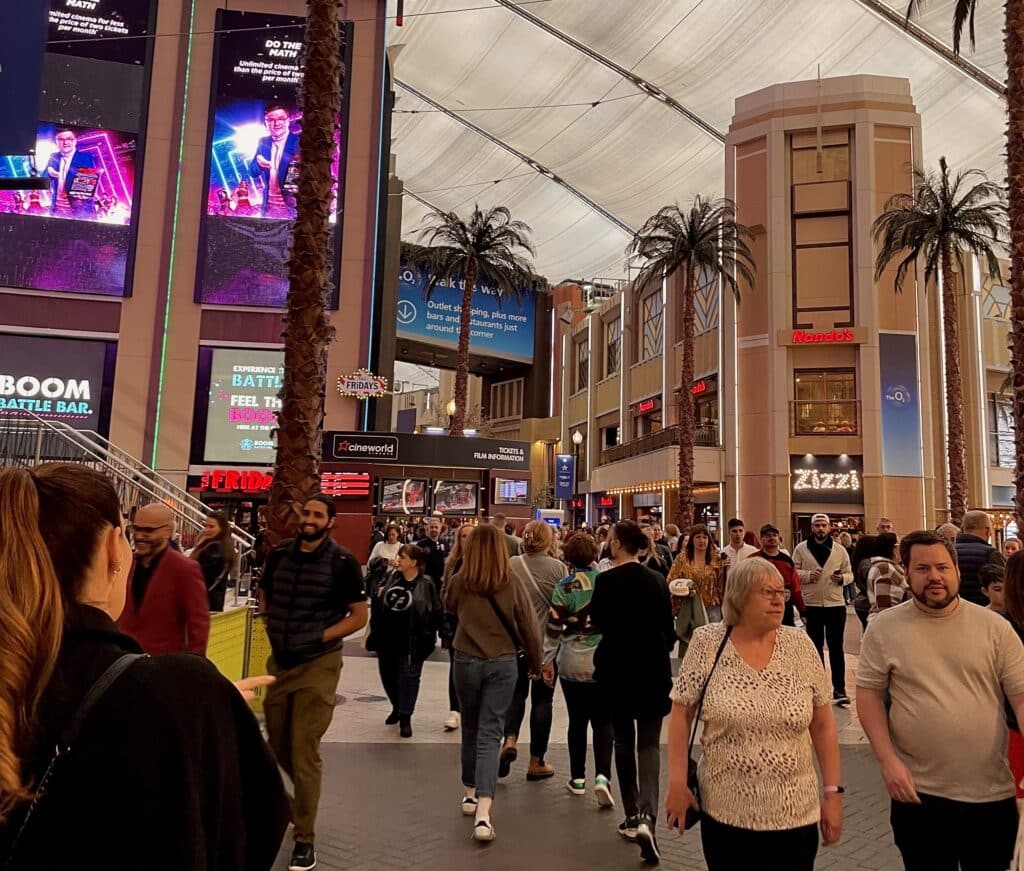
point(308, 331)
point(463, 254)
point(942, 219)
point(1013, 46)
point(705, 240)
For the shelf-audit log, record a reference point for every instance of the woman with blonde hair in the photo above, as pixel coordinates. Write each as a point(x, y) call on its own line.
point(451, 622)
point(761, 692)
point(537, 572)
point(497, 622)
point(165, 746)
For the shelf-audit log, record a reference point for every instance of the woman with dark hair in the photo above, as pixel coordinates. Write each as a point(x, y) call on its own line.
point(166, 746)
point(388, 548)
point(702, 563)
point(860, 562)
point(496, 620)
point(631, 608)
point(217, 558)
point(405, 633)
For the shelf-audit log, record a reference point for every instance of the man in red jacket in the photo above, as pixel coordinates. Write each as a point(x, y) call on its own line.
point(771, 550)
point(167, 610)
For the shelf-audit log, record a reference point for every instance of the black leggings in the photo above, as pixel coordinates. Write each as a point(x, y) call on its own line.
point(453, 697)
point(728, 848)
point(828, 624)
point(586, 705)
point(542, 699)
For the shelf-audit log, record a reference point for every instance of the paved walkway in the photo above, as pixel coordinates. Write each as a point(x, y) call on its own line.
point(390, 803)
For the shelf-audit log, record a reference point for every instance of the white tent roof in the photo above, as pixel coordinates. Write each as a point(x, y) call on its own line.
point(501, 91)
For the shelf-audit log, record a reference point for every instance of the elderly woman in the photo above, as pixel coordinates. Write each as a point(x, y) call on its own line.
point(764, 701)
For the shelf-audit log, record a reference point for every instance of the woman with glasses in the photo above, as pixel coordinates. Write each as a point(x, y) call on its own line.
point(765, 705)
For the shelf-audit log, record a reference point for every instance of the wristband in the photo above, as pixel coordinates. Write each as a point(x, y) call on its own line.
point(836, 790)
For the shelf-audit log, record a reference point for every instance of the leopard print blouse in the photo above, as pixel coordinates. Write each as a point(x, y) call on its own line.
point(757, 771)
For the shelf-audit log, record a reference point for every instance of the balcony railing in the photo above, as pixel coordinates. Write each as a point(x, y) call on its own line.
point(706, 437)
point(825, 417)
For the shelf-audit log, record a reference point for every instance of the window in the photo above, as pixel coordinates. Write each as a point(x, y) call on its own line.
point(706, 412)
point(609, 436)
point(507, 400)
point(1002, 451)
point(651, 325)
point(826, 402)
point(582, 363)
point(612, 346)
point(648, 424)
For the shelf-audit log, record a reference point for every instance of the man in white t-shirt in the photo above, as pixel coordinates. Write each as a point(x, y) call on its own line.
point(736, 550)
point(948, 667)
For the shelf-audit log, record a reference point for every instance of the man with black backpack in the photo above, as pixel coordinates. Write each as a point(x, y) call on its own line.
point(313, 597)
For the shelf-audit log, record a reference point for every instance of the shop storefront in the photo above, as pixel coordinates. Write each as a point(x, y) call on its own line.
point(831, 485)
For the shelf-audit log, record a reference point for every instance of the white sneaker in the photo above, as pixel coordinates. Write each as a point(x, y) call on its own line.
point(483, 831)
point(469, 806)
point(603, 792)
point(453, 721)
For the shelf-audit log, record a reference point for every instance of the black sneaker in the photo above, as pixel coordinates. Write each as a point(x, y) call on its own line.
point(303, 858)
point(645, 838)
point(506, 757)
point(392, 719)
point(405, 729)
point(627, 828)
point(841, 699)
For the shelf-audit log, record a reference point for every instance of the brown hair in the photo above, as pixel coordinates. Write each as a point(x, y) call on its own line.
point(580, 551)
point(927, 538)
point(417, 554)
point(51, 521)
point(223, 540)
point(695, 530)
point(1013, 588)
point(538, 537)
point(485, 562)
point(455, 554)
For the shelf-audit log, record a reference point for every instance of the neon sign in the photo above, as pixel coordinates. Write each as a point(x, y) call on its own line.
point(700, 387)
point(646, 405)
point(832, 337)
point(812, 479)
point(344, 484)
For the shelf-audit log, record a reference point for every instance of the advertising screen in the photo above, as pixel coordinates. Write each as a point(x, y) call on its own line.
point(253, 160)
point(398, 496)
point(456, 497)
point(66, 380)
point(77, 235)
point(510, 491)
point(499, 327)
point(242, 408)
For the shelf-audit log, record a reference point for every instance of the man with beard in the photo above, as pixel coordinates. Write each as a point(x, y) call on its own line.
point(312, 595)
point(824, 569)
point(944, 666)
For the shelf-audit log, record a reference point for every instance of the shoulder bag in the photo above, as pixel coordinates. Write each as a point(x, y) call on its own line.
point(67, 741)
point(512, 634)
point(693, 816)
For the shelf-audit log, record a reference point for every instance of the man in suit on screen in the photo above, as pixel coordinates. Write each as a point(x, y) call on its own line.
point(63, 168)
point(274, 155)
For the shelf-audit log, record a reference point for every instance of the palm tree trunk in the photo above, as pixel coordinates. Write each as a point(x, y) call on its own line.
point(1014, 45)
point(462, 359)
point(684, 405)
point(955, 444)
point(308, 331)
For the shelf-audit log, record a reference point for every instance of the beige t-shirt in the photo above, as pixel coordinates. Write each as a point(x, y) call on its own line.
point(757, 771)
point(947, 677)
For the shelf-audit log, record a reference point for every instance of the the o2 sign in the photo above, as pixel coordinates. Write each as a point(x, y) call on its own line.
point(898, 395)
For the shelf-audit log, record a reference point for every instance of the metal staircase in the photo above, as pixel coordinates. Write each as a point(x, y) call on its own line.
point(28, 440)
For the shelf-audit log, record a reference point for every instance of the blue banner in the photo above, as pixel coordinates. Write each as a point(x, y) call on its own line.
point(21, 70)
point(901, 405)
point(502, 330)
point(564, 474)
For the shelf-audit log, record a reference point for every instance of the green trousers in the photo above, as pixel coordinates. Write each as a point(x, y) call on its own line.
point(298, 710)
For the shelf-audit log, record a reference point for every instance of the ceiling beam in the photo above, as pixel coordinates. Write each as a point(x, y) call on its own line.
point(933, 44)
point(525, 158)
point(641, 84)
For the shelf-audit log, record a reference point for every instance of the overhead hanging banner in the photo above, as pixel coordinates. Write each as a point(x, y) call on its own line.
point(564, 473)
point(901, 405)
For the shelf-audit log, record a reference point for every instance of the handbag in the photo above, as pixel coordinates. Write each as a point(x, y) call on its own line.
point(66, 743)
point(512, 634)
point(692, 815)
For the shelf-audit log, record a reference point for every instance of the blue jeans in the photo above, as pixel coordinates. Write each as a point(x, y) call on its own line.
point(485, 691)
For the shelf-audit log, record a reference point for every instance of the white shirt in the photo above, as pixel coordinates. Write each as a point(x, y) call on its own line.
point(737, 556)
point(385, 550)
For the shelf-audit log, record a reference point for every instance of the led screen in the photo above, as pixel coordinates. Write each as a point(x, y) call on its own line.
point(77, 235)
point(66, 380)
point(403, 496)
point(456, 497)
point(242, 408)
point(510, 491)
point(253, 161)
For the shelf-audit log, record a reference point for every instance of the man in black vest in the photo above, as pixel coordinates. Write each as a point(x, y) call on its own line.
point(313, 597)
point(973, 551)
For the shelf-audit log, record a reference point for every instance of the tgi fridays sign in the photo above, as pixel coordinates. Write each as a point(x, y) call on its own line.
point(362, 384)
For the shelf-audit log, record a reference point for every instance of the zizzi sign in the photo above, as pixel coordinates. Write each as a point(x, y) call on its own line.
point(826, 478)
point(832, 337)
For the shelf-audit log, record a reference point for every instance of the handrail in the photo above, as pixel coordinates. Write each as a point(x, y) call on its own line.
point(705, 436)
point(119, 464)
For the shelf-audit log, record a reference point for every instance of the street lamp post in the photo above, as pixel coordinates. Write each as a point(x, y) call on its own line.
point(577, 440)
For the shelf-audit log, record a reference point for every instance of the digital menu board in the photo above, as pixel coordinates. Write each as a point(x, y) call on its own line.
point(510, 491)
point(253, 160)
point(456, 497)
point(242, 404)
point(77, 235)
point(403, 496)
point(65, 380)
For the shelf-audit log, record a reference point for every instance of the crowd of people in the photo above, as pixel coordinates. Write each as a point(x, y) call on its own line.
point(101, 664)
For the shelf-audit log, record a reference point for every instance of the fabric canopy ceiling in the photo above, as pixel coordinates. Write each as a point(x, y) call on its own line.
point(586, 116)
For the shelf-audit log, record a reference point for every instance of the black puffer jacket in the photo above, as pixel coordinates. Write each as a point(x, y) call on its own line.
point(972, 553)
